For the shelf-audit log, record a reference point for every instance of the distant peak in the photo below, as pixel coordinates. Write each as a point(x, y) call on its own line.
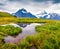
point(44, 12)
point(22, 10)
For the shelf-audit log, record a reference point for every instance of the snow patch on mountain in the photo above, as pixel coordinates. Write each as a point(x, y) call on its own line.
point(47, 15)
point(24, 14)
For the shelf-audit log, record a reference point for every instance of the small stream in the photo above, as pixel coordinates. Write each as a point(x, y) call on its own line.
point(27, 29)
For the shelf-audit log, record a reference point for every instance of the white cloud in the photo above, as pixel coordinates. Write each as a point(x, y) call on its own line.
point(32, 7)
point(54, 8)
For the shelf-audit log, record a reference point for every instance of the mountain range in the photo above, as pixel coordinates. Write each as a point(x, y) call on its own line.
point(45, 15)
point(22, 13)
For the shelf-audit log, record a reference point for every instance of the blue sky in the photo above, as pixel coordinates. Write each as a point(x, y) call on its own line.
point(33, 6)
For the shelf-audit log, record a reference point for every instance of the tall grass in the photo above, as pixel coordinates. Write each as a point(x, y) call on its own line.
point(6, 20)
point(47, 37)
point(10, 30)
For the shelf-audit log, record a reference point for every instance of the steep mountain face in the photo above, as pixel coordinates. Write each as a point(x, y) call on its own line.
point(24, 14)
point(46, 15)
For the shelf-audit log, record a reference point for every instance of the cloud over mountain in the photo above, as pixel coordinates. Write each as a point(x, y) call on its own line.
point(33, 6)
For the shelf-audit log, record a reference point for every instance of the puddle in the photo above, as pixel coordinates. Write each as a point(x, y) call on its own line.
point(27, 29)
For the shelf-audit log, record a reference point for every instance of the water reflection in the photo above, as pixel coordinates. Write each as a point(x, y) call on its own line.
point(23, 24)
point(27, 29)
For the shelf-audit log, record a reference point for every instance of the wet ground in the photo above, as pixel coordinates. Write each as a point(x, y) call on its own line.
point(27, 29)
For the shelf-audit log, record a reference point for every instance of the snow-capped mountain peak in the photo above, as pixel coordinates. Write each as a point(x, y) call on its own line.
point(47, 15)
point(22, 10)
point(24, 14)
point(42, 14)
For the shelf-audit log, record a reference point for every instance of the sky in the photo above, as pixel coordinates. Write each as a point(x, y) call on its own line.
point(33, 6)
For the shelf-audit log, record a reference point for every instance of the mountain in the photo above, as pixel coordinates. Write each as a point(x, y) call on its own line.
point(24, 14)
point(45, 15)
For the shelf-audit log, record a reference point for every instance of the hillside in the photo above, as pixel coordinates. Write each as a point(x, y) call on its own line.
point(6, 20)
point(5, 14)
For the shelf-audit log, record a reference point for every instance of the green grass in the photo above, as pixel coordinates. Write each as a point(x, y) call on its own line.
point(6, 20)
point(10, 30)
point(46, 37)
point(5, 14)
point(49, 27)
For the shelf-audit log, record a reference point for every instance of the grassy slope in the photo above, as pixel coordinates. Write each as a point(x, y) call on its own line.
point(8, 18)
point(47, 37)
point(5, 14)
point(5, 20)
